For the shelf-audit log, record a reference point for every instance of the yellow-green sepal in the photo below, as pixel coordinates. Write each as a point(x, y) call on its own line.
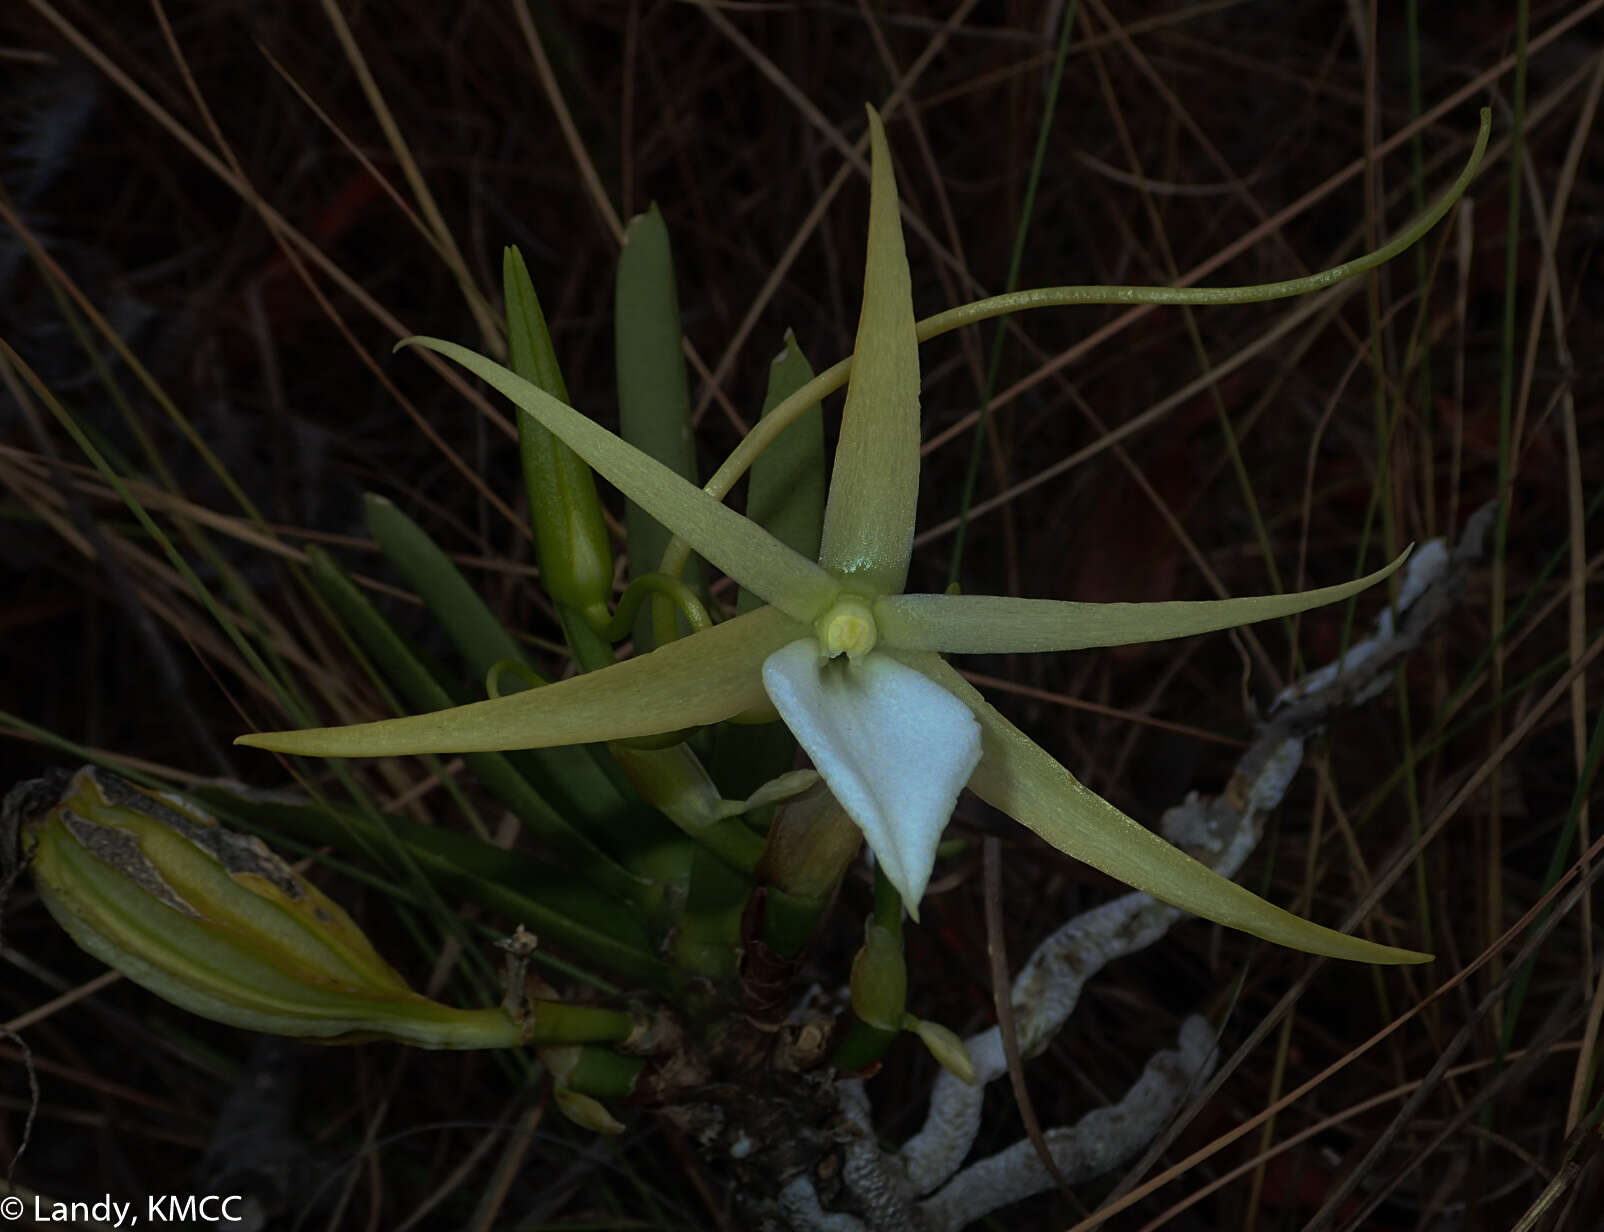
point(996, 624)
point(697, 680)
point(746, 552)
point(1024, 781)
point(874, 487)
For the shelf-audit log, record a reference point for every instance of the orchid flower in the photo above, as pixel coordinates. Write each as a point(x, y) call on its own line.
point(853, 665)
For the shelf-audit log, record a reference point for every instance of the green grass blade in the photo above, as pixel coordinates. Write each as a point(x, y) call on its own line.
point(1016, 260)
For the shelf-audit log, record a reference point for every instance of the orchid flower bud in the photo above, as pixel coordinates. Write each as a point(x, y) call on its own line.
point(215, 922)
point(943, 1044)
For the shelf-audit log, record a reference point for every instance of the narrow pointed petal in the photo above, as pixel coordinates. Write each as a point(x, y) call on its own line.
point(874, 488)
point(1020, 778)
point(894, 747)
point(742, 549)
point(699, 679)
point(993, 624)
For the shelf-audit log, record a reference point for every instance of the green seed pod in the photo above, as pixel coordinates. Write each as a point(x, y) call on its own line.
point(880, 979)
point(215, 922)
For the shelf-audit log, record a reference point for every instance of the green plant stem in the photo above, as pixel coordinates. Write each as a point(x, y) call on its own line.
point(563, 1022)
point(789, 920)
point(652, 585)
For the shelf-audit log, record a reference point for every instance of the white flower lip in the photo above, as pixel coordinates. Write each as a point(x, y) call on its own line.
point(894, 747)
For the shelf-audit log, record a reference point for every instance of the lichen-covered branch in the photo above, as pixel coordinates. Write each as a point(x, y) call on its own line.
point(1099, 1141)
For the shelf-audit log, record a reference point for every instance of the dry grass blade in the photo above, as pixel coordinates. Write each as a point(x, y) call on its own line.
point(490, 330)
point(1002, 999)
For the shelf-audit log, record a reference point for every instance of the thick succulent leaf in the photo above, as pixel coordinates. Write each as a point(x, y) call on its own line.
point(515, 885)
point(571, 544)
point(787, 486)
point(464, 617)
point(1017, 776)
point(744, 550)
point(874, 488)
point(654, 401)
point(699, 679)
point(995, 624)
point(894, 748)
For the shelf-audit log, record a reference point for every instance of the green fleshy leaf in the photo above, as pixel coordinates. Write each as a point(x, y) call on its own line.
point(475, 632)
point(995, 624)
point(785, 495)
point(707, 939)
point(746, 552)
point(1019, 777)
point(696, 680)
point(571, 545)
point(874, 489)
point(785, 492)
point(654, 402)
